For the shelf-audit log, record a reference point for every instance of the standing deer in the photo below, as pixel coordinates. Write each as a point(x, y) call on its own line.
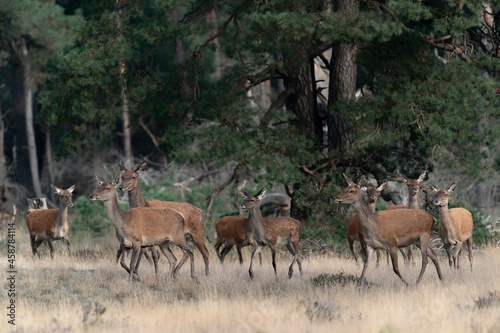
point(413, 189)
point(390, 229)
point(51, 224)
point(230, 231)
point(455, 226)
point(353, 228)
point(144, 227)
point(261, 231)
point(193, 216)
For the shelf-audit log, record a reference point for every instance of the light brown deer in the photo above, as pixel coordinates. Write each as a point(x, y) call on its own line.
point(144, 227)
point(230, 231)
point(261, 231)
point(390, 230)
point(51, 224)
point(413, 189)
point(455, 226)
point(354, 230)
point(193, 216)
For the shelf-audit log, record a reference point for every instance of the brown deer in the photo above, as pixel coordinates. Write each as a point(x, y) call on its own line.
point(51, 224)
point(261, 231)
point(413, 189)
point(455, 226)
point(390, 229)
point(354, 230)
point(230, 231)
point(144, 227)
point(193, 216)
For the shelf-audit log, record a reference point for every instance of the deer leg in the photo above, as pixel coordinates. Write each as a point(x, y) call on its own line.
point(256, 249)
point(293, 250)
point(423, 244)
point(165, 249)
point(378, 257)
point(406, 259)
point(119, 254)
point(369, 254)
point(136, 249)
point(273, 255)
point(217, 249)
point(124, 255)
point(34, 248)
point(448, 252)
point(188, 252)
point(66, 240)
point(455, 254)
point(351, 247)
point(240, 256)
point(411, 259)
point(37, 245)
point(155, 255)
point(224, 252)
point(395, 265)
point(51, 247)
point(432, 254)
point(198, 241)
point(469, 247)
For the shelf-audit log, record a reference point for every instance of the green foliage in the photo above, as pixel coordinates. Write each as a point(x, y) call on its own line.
point(91, 218)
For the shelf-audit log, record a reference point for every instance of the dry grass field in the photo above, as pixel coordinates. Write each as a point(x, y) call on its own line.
point(91, 293)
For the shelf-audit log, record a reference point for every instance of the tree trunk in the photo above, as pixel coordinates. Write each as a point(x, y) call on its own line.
point(3, 167)
point(342, 78)
point(28, 111)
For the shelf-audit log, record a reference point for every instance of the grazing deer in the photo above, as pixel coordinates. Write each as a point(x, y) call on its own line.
point(144, 227)
point(261, 231)
point(455, 226)
point(193, 216)
point(413, 189)
point(230, 231)
point(390, 229)
point(353, 228)
point(50, 224)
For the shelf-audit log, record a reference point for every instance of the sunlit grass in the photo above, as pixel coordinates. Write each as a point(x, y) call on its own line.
point(90, 292)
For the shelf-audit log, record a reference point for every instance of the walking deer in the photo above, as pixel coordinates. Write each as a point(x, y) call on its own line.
point(390, 230)
point(144, 227)
point(51, 224)
point(193, 216)
point(455, 226)
point(353, 228)
point(261, 231)
point(230, 231)
point(413, 189)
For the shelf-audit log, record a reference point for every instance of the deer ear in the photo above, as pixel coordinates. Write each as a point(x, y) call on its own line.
point(122, 168)
point(56, 189)
point(381, 187)
point(72, 188)
point(99, 180)
point(403, 177)
point(261, 193)
point(141, 167)
point(244, 194)
point(422, 177)
point(116, 179)
point(433, 188)
point(452, 187)
point(349, 181)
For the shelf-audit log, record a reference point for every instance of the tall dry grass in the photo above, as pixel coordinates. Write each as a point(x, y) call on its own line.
point(90, 292)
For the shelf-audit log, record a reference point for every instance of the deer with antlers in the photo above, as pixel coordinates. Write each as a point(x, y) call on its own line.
point(390, 230)
point(455, 226)
point(193, 216)
point(261, 231)
point(137, 228)
point(51, 224)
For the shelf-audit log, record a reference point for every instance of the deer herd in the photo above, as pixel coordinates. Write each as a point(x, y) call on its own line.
point(153, 224)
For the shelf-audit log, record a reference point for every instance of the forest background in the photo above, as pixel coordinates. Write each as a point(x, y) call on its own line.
point(284, 94)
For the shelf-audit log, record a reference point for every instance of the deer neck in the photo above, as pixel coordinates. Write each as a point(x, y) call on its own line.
point(367, 218)
point(135, 198)
point(61, 219)
point(255, 227)
point(445, 219)
point(371, 206)
point(115, 214)
point(413, 201)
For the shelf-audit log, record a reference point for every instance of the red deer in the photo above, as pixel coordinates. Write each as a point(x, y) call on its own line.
point(144, 227)
point(353, 228)
point(413, 189)
point(261, 231)
point(230, 231)
point(390, 229)
point(455, 226)
point(51, 224)
point(193, 216)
